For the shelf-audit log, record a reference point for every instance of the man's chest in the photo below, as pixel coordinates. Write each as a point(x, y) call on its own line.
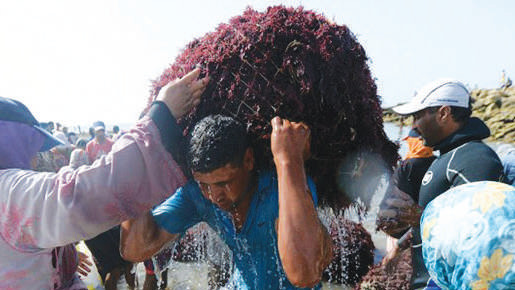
point(257, 231)
point(433, 183)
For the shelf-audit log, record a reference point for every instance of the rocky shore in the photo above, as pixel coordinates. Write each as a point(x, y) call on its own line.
point(494, 106)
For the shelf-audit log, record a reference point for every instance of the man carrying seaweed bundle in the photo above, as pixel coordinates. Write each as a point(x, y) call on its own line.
point(267, 218)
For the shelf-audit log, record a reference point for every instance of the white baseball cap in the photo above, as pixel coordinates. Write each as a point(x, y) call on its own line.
point(442, 92)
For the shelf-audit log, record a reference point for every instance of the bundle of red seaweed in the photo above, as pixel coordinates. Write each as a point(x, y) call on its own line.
point(381, 278)
point(353, 252)
point(292, 63)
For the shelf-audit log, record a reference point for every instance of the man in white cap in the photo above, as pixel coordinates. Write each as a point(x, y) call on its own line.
point(441, 114)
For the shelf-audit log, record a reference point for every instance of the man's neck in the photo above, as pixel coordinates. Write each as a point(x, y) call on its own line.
point(449, 130)
point(241, 207)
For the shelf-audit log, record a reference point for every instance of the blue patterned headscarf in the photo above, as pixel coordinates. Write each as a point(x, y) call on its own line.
point(468, 237)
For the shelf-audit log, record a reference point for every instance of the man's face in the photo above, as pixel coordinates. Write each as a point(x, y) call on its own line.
point(100, 134)
point(224, 186)
point(425, 122)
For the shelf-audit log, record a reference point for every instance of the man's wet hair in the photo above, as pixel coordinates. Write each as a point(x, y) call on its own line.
point(216, 141)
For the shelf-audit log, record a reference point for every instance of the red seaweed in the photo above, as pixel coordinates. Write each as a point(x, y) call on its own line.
point(379, 278)
point(353, 252)
point(296, 64)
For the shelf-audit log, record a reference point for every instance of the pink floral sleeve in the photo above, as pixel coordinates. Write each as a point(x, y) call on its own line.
point(46, 210)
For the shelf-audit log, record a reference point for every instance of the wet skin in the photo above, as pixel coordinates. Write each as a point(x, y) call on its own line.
point(230, 187)
point(224, 186)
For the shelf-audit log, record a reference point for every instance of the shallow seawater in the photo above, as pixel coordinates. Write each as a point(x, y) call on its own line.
point(193, 276)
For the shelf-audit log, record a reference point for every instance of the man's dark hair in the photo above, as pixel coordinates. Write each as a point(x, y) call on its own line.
point(459, 114)
point(215, 142)
point(81, 143)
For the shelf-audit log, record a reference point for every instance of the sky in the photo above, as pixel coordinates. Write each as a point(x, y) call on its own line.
point(75, 62)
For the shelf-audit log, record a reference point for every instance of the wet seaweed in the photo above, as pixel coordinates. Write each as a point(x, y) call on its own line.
point(353, 252)
point(296, 64)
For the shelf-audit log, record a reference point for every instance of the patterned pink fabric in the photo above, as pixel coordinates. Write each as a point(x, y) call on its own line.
point(41, 211)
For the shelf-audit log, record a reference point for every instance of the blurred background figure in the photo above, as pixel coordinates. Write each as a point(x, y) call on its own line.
point(91, 132)
point(116, 133)
point(60, 133)
point(79, 156)
point(72, 137)
point(101, 144)
point(505, 81)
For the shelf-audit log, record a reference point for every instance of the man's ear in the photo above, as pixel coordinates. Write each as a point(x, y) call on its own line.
point(248, 159)
point(444, 114)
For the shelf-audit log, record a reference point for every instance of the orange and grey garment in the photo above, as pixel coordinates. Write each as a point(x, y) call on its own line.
point(416, 147)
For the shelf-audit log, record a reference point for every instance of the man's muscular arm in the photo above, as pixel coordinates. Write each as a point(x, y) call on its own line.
point(305, 247)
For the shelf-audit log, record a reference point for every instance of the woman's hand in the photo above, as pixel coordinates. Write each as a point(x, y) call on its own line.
point(181, 95)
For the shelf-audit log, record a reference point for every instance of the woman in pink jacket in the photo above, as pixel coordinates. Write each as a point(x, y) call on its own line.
point(43, 213)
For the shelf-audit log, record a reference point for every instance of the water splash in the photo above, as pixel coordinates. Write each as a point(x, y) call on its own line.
point(361, 175)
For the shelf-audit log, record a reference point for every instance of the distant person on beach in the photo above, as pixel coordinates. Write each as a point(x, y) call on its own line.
point(268, 218)
point(79, 156)
point(50, 127)
point(101, 144)
point(505, 81)
point(61, 135)
point(91, 132)
point(72, 137)
point(441, 115)
point(43, 211)
point(117, 133)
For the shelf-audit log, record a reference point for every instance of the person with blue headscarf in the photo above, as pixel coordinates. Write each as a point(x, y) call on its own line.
point(468, 237)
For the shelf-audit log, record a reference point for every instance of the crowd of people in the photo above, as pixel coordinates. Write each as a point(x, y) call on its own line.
point(72, 149)
point(76, 151)
point(127, 197)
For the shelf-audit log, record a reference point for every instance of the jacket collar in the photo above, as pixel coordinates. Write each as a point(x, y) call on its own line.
point(473, 129)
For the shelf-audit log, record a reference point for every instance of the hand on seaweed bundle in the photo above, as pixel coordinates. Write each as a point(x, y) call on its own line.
point(181, 95)
point(290, 141)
